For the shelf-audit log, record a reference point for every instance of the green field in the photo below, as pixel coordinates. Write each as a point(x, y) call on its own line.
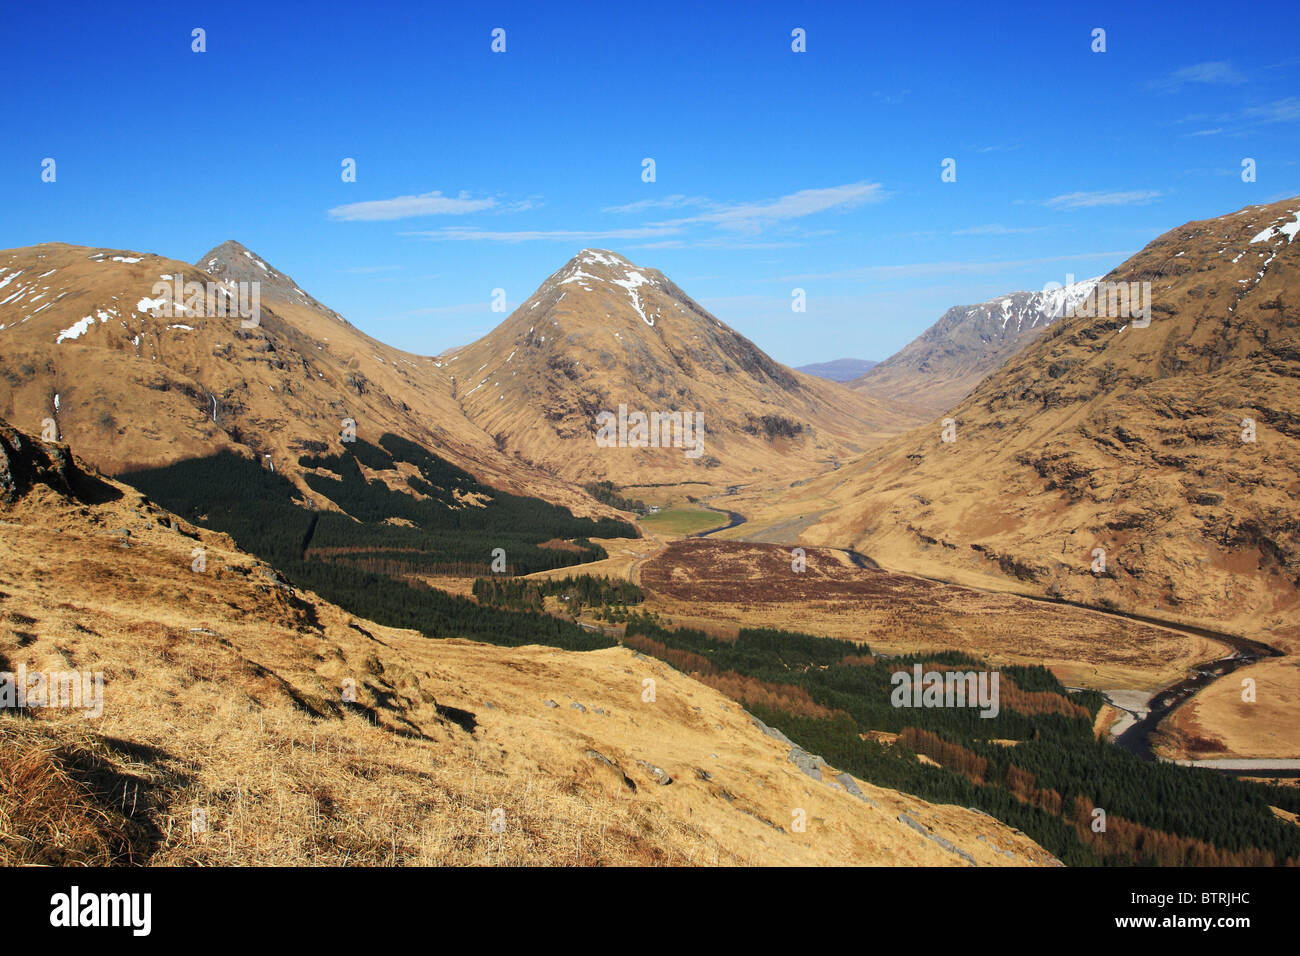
point(682, 521)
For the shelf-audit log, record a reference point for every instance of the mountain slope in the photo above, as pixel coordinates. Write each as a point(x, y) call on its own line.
point(602, 332)
point(1104, 434)
point(86, 344)
point(80, 345)
point(941, 366)
point(225, 737)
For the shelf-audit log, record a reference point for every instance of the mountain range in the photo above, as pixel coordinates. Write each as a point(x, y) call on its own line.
point(84, 346)
point(1169, 444)
point(1127, 445)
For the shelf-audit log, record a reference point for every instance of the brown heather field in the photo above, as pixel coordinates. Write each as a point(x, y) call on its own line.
point(702, 581)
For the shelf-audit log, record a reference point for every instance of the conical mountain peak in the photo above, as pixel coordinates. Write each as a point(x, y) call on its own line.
point(232, 261)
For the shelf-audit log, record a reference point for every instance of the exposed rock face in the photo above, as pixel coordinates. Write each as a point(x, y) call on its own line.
point(231, 262)
point(26, 463)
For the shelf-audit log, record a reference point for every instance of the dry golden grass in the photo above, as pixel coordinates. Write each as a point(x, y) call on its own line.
point(625, 558)
point(1218, 723)
point(452, 584)
point(222, 695)
point(47, 816)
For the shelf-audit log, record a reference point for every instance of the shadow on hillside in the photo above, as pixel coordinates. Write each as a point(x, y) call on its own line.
point(92, 490)
point(133, 800)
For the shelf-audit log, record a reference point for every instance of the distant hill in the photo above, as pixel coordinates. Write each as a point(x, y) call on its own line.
point(942, 365)
point(840, 370)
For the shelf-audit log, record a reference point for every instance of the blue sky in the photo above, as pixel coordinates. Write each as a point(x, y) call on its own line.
point(774, 169)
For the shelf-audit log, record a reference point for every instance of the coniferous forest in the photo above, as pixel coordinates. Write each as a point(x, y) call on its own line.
point(362, 563)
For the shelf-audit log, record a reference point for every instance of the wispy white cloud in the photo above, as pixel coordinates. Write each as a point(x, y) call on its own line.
point(1279, 111)
point(752, 217)
point(470, 234)
point(407, 207)
point(1086, 200)
point(677, 201)
point(1218, 72)
point(735, 220)
point(1285, 110)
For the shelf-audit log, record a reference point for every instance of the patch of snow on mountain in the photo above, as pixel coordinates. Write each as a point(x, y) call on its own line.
point(633, 282)
point(591, 255)
point(1054, 303)
point(1288, 229)
point(76, 331)
point(578, 276)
